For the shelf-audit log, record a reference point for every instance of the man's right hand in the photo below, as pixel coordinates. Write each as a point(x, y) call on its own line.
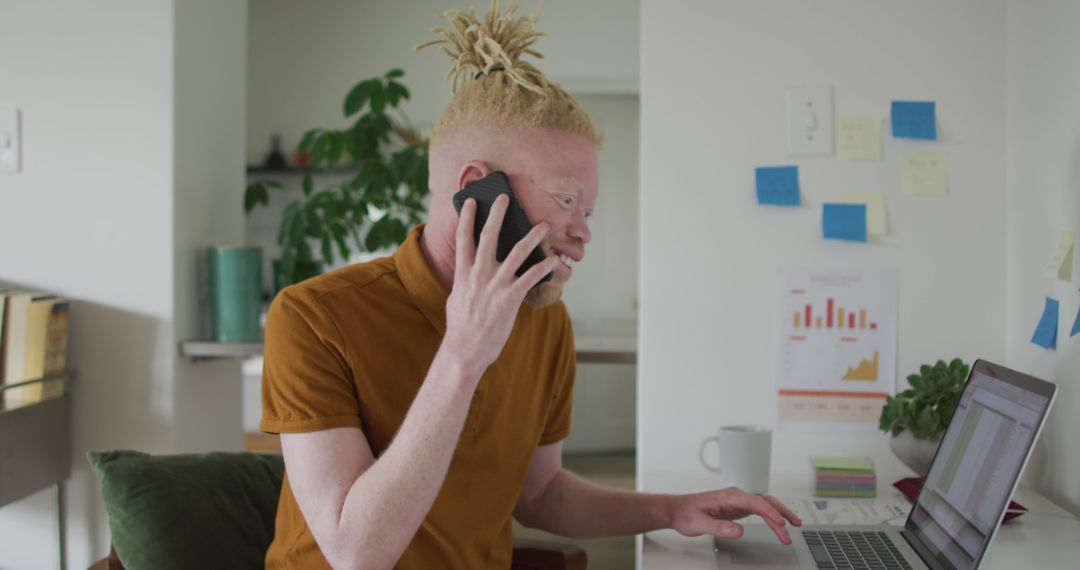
point(486, 295)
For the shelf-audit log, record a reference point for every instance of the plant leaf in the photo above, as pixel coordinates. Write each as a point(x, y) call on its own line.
point(287, 221)
point(337, 147)
point(396, 92)
point(403, 92)
point(327, 252)
point(396, 72)
point(377, 103)
point(318, 148)
point(255, 194)
point(356, 98)
point(311, 220)
point(337, 229)
point(917, 383)
point(306, 185)
point(305, 142)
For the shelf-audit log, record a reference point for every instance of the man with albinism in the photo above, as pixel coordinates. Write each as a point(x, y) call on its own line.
point(422, 399)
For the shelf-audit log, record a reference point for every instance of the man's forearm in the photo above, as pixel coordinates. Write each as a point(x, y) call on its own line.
point(575, 508)
point(388, 502)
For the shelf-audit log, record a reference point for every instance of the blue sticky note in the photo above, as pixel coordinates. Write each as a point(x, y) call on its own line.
point(1046, 332)
point(844, 221)
point(914, 120)
point(1076, 325)
point(778, 185)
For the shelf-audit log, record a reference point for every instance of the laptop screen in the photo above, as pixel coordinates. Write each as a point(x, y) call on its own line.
point(978, 463)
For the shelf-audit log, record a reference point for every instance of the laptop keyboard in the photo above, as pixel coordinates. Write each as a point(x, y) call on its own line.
point(854, 550)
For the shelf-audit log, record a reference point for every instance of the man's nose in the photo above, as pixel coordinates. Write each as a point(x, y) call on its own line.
point(579, 227)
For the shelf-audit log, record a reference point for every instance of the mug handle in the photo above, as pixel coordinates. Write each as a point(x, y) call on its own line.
point(701, 454)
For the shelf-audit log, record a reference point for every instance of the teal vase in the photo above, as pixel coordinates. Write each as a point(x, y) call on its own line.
point(236, 293)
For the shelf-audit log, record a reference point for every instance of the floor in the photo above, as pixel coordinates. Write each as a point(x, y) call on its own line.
point(609, 469)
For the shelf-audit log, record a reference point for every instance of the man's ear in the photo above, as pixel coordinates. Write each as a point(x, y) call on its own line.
point(472, 171)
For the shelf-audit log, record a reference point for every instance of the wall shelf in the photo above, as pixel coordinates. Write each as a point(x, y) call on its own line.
point(204, 350)
point(253, 170)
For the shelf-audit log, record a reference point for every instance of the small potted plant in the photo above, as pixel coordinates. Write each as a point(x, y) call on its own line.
point(918, 416)
point(373, 208)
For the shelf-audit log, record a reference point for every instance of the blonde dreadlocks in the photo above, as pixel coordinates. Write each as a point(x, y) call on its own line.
point(490, 82)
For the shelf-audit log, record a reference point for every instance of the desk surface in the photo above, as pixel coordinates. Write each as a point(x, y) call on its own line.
point(1045, 537)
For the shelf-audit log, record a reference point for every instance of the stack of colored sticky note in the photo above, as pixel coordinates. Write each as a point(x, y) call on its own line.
point(844, 477)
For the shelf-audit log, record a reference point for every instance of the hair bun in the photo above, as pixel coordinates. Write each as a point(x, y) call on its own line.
point(496, 44)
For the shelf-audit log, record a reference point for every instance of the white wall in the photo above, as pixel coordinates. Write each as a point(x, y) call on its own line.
point(306, 55)
point(210, 115)
point(713, 82)
point(98, 214)
point(1044, 197)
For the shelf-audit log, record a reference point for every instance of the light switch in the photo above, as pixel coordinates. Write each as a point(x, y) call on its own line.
point(9, 140)
point(810, 121)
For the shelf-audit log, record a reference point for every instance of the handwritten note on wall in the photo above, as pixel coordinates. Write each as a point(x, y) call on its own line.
point(859, 138)
point(1061, 258)
point(923, 174)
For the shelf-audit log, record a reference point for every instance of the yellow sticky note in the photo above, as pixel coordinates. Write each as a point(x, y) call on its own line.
point(1061, 258)
point(876, 223)
point(923, 174)
point(859, 138)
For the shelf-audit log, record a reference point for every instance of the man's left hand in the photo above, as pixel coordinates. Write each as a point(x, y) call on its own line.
point(715, 512)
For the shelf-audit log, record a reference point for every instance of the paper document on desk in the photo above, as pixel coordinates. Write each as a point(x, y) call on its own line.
point(883, 510)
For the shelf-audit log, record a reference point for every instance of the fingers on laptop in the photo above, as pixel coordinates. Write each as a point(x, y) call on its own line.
point(784, 510)
point(726, 529)
point(767, 509)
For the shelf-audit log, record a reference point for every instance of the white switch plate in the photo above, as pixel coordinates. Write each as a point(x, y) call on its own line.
point(810, 121)
point(9, 141)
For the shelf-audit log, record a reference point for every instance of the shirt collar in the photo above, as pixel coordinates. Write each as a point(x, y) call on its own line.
point(427, 292)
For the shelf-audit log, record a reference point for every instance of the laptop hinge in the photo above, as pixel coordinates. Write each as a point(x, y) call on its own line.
point(923, 552)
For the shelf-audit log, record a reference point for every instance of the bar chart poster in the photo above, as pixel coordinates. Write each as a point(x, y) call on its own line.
point(836, 349)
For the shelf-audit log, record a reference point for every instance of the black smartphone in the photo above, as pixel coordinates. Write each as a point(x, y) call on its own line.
point(515, 224)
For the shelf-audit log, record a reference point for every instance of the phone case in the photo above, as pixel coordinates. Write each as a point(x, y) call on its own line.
point(515, 224)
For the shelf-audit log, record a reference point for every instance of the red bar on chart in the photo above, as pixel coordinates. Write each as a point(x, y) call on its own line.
point(808, 320)
point(829, 312)
point(851, 321)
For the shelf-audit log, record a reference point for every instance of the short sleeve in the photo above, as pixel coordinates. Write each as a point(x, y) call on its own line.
point(307, 384)
point(559, 416)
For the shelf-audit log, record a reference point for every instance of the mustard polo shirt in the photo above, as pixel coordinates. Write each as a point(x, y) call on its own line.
point(352, 347)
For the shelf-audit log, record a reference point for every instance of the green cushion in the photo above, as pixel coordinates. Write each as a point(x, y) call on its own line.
point(213, 510)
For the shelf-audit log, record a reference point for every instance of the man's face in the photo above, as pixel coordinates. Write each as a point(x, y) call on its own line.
point(555, 180)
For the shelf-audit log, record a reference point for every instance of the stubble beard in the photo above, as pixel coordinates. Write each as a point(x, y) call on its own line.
point(544, 295)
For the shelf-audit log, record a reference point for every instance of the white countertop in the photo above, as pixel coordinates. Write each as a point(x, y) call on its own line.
point(1045, 537)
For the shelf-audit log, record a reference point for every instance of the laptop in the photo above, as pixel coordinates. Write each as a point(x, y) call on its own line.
point(953, 520)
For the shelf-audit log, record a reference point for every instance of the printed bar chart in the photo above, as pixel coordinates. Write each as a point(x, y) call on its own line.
point(834, 318)
point(836, 359)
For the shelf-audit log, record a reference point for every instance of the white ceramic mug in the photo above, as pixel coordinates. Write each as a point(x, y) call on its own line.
point(744, 453)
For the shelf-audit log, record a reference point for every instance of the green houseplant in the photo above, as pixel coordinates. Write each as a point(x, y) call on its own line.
point(918, 416)
point(373, 208)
